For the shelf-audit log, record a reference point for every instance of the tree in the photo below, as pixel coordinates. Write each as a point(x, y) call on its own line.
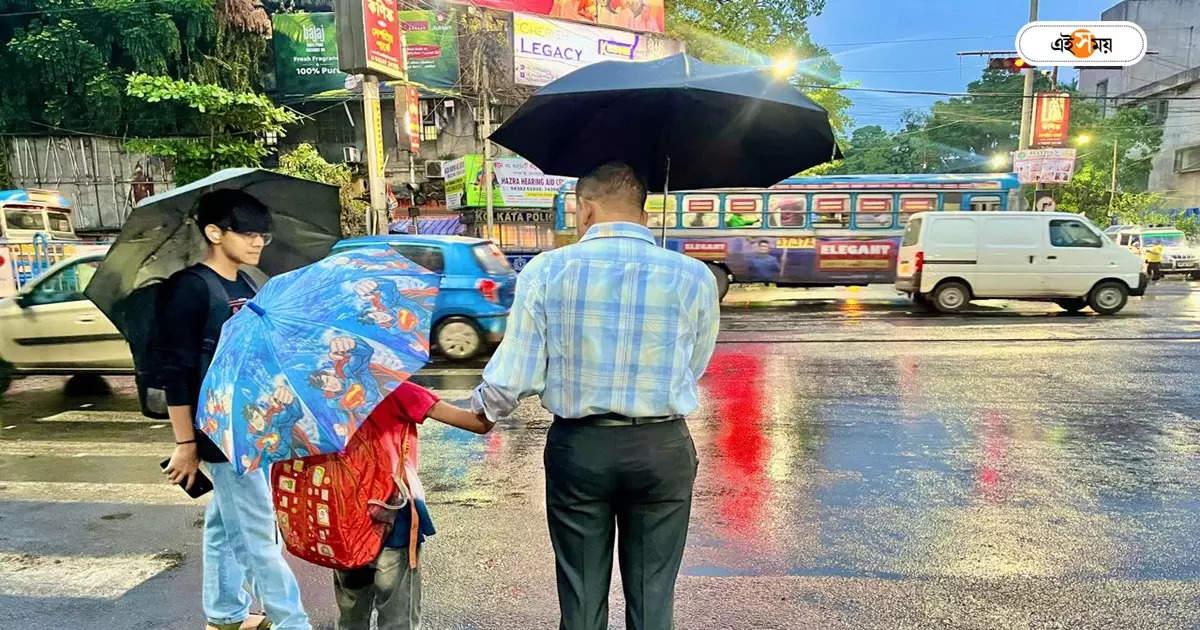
point(754, 32)
point(304, 161)
point(73, 57)
point(229, 127)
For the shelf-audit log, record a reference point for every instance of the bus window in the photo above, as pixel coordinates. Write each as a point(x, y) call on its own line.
point(874, 211)
point(743, 211)
point(24, 219)
point(700, 211)
point(987, 203)
point(915, 203)
point(60, 224)
point(831, 211)
point(654, 210)
point(951, 201)
point(787, 210)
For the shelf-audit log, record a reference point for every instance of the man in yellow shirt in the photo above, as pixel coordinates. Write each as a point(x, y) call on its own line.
point(1154, 258)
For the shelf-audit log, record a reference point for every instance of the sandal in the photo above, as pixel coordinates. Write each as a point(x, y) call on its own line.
point(264, 624)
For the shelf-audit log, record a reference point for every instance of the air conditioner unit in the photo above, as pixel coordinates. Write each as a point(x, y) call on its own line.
point(351, 155)
point(435, 169)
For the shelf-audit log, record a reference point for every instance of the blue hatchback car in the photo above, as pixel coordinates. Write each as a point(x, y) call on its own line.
point(477, 287)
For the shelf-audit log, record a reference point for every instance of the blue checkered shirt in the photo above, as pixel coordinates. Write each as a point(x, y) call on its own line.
point(612, 324)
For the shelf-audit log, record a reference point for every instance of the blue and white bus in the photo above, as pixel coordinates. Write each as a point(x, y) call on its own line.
point(806, 231)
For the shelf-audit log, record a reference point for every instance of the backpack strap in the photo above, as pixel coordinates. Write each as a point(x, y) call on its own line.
point(414, 526)
point(218, 312)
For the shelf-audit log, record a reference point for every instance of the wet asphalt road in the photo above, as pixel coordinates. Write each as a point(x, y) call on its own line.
point(863, 465)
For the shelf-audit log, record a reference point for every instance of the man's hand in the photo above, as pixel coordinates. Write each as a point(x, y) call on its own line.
point(183, 465)
point(341, 345)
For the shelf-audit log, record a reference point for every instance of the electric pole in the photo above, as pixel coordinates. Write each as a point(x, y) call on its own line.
point(1027, 93)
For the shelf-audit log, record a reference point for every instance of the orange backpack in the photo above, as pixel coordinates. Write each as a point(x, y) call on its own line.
point(335, 510)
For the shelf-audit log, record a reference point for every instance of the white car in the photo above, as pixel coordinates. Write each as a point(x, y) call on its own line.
point(948, 259)
point(50, 327)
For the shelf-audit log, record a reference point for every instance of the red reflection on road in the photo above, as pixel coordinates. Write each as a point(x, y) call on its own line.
point(735, 382)
point(995, 446)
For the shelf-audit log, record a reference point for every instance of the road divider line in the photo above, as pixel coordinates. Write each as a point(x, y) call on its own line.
point(87, 577)
point(64, 448)
point(125, 417)
point(115, 493)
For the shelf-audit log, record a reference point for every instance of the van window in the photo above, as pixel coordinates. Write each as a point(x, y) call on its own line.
point(952, 232)
point(1073, 233)
point(1011, 231)
point(1126, 239)
point(912, 234)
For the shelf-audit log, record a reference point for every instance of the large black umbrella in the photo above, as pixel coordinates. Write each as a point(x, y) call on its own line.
point(160, 237)
point(718, 126)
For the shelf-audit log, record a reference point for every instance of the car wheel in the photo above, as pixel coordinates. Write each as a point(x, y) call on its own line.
point(1108, 297)
point(722, 277)
point(1195, 275)
point(458, 338)
point(6, 375)
point(1072, 305)
point(83, 385)
point(951, 297)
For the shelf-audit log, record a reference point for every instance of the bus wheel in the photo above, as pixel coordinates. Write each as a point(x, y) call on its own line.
point(951, 297)
point(722, 277)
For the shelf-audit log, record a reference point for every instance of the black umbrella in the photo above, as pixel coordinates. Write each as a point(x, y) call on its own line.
point(160, 237)
point(717, 126)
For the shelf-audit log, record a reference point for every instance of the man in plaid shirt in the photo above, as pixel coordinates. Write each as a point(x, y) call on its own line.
point(613, 333)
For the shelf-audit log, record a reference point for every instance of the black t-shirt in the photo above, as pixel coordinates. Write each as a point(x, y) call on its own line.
point(183, 319)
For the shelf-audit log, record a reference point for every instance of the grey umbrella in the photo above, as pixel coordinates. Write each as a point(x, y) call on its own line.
point(161, 237)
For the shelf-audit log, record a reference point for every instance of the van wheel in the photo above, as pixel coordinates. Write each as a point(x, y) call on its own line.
point(951, 297)
point(722, 277)
point(1195, 275)
point(1072, 305)
point(458, 338)
point(1107, 298)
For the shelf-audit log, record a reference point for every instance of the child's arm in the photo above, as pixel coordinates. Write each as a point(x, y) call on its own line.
point(443, 411)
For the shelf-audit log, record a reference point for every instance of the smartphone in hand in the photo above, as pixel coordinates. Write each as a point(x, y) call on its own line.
point(201, 485)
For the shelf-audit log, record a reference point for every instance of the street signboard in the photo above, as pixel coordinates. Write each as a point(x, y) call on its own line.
point(1045, 204)
point(369, 38)
point(1051, 118)
point(1044, 166)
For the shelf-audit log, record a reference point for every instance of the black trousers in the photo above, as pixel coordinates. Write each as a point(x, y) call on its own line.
point(635, 481)
point(1154, 269)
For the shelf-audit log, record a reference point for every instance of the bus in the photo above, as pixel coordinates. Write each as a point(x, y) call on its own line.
point(36, 232)
point(806, 231)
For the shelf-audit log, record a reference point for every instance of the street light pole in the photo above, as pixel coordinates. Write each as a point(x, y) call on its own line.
point(1112, 187)
point(487, 157)
point(1027, 93)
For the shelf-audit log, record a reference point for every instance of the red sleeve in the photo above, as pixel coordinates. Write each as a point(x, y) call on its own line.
point(412, 402)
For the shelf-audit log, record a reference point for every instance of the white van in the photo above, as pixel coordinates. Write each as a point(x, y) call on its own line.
point(948, 259)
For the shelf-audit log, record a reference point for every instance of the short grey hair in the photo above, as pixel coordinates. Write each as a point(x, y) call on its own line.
point(615, 181)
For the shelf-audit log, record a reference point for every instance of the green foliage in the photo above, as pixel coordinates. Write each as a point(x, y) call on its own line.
point(304, 161)
point(66, 61)
point(755, 32)
point(231, 125)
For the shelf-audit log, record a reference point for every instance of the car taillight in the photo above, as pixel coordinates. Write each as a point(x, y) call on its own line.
point(919, 262)
point(489, 289)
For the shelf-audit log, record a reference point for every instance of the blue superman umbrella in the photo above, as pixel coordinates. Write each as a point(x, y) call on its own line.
point(301, 366)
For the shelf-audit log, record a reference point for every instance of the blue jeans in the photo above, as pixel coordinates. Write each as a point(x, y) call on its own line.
point(241, 547)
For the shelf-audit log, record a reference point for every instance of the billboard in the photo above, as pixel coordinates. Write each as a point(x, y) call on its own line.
point(306, 52)
point(635, 15)
point(515, 184)
point(306, 59)
point(1045, 166)
point(1051, 118)
point(544, 50)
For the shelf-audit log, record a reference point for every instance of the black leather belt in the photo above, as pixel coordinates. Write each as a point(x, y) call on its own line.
point(615, 420)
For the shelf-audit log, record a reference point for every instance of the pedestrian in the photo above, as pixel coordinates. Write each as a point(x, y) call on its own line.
point(1154, 259)
point(613, 333)
point(391, 585)
point(240, 537)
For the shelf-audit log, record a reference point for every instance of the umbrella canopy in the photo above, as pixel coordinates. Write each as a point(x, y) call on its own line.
point(160, 237)
point(721, 126)
point(301, 366)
